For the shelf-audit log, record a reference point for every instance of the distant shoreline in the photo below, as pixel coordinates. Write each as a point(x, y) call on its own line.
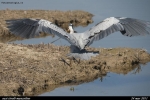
point(60, 18)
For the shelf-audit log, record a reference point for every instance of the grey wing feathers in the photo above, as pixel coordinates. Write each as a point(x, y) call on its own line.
point(25, 28)
point(134, 27)
point(127, 26)
point(28, 28)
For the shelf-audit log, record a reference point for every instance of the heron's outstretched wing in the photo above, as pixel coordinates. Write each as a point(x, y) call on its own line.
point(127, 26)
point(28, 28)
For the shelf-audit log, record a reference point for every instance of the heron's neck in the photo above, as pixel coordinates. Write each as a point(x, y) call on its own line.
point(71, 29)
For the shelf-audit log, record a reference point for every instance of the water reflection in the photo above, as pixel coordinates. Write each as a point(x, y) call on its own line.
point(105, 82)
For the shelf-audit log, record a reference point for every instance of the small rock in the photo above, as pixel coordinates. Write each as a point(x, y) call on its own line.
point(21, 90)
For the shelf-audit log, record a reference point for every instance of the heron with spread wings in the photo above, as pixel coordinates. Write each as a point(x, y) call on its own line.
point(29, 28)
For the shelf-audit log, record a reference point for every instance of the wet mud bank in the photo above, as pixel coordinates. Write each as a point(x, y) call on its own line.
point(34, 69)
point(60, 18)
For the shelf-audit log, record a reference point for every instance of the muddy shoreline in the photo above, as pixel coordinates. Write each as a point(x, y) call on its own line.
point(37, 68)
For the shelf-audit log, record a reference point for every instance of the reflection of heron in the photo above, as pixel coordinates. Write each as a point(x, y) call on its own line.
point(28, 28)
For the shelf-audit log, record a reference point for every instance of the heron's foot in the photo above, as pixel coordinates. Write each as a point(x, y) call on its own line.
point(71, 60)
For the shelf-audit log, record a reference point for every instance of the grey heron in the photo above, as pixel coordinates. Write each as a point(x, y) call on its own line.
point(29, 28)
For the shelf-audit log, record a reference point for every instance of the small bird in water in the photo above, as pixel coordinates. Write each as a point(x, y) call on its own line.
point(29, 28)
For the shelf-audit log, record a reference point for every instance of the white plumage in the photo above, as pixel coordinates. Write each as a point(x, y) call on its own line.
point(28, 28)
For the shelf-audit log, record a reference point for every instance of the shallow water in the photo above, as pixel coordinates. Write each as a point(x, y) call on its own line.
point(112, 84)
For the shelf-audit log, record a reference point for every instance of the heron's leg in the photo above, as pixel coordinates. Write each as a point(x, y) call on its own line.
point(75, 60)
point(70, 62)
point(63, 60)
